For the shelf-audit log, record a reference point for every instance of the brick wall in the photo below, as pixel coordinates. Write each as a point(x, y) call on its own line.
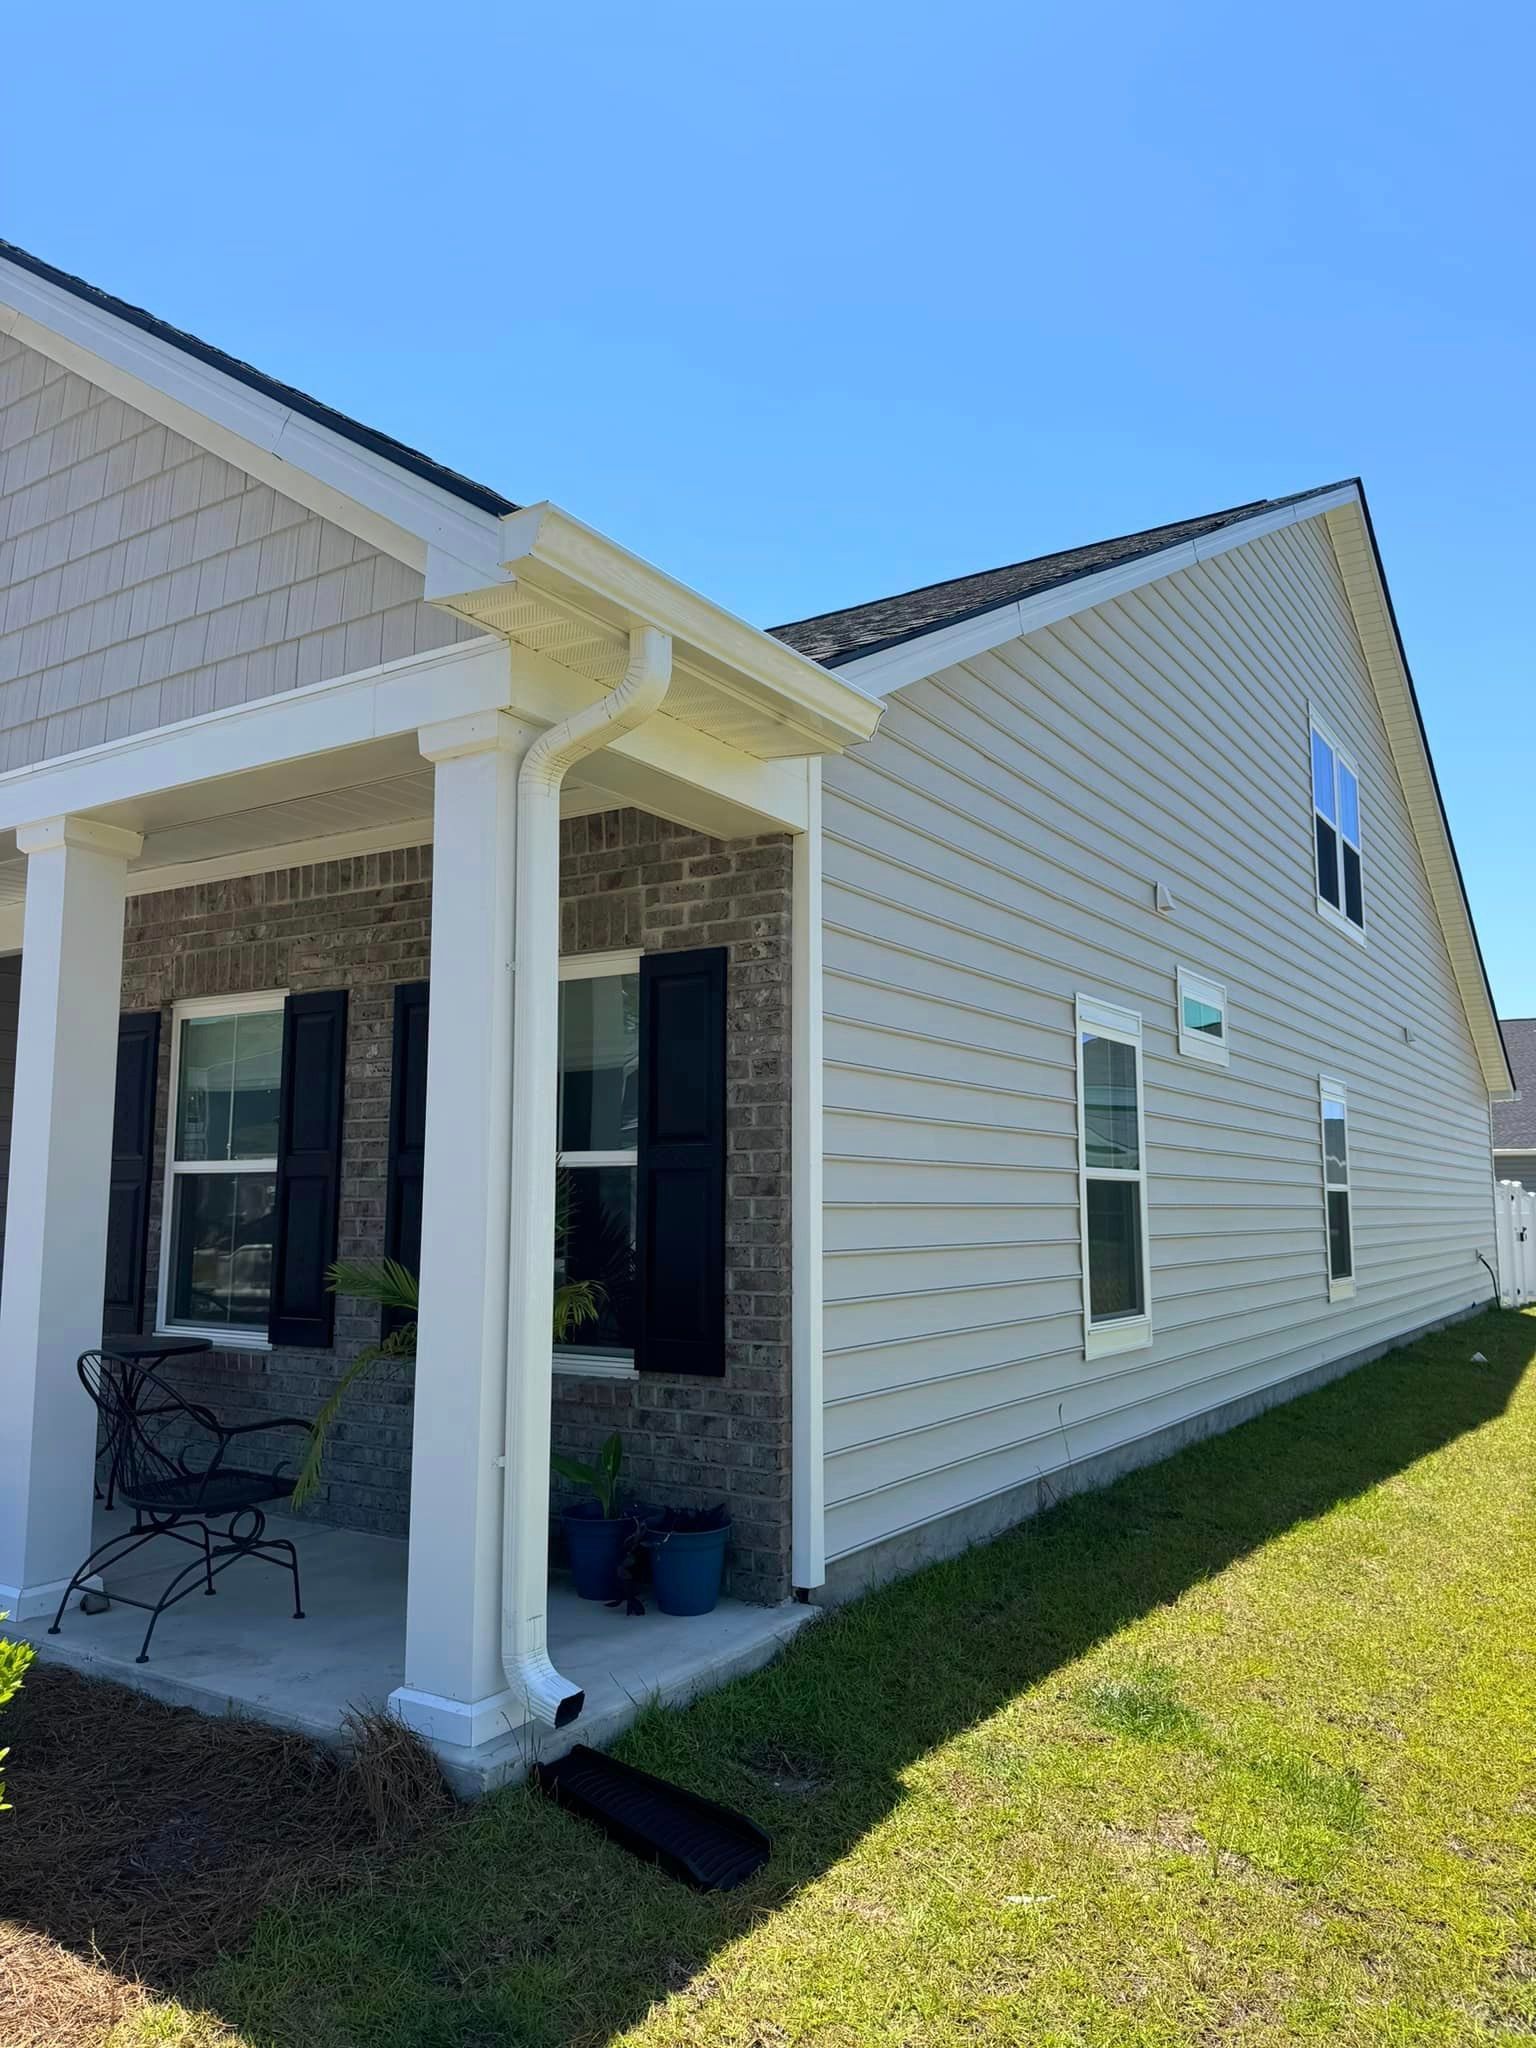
point(362, 925)
point(627, 881)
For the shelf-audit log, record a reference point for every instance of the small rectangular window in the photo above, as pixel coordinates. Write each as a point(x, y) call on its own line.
point(1338, 1214)
point(221, 1167)
point(1202, 1018)
point(1336, 830)
point(1112, 1179)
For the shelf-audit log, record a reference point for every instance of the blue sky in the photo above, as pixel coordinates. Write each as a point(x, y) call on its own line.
point(809, 303)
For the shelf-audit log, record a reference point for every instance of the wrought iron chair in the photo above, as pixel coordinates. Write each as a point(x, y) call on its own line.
point(166, 1457)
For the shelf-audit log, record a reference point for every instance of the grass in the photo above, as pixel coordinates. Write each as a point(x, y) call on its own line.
point(1237, 1751)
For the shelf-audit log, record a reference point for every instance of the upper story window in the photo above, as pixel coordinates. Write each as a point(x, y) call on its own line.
point(1202, 1018)
point(1336, 819)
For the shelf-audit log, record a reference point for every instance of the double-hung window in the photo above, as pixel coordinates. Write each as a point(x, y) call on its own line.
point(1112, 1179)
point(1336, 830)
point(597, 1138)
point(221, 1167)
point(1336, 1195)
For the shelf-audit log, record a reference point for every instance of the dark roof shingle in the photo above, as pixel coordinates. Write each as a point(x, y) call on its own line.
point(835, 637)
point(1514, 1123)
point(404, 457)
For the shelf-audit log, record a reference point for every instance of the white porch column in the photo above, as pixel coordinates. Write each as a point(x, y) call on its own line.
point(56, 1217)
point(455, 1689)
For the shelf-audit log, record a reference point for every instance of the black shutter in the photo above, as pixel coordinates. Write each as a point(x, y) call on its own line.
point(407, 1135)
point(308, 1169)
point(680, 1198)
point(133, 1151)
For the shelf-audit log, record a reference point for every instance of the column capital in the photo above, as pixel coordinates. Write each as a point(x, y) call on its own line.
point(47, 835)
point(478, 732)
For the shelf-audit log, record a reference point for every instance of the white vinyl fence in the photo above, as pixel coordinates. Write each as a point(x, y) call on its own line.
point(1515, 1209)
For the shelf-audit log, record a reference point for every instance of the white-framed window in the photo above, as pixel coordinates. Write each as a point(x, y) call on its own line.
point(218, 1220)
point(1112, 1179)
point(596, 1135)
point(1203, 1019)
point(1336, 831)
point(1338, 1208)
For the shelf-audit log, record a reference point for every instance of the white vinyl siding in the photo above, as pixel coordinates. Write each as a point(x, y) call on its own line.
point(989, 854)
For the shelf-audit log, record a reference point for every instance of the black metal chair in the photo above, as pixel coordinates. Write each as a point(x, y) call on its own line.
point(166, 1460)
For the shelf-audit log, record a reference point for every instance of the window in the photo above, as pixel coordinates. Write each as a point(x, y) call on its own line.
point(1336, 822)
point(597, 1129)
point(1112, 1176)
point(1340, 1223)
point(221, 1167)
point(1202, 1018)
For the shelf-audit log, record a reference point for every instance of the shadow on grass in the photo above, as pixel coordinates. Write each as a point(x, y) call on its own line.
point(518, 1925)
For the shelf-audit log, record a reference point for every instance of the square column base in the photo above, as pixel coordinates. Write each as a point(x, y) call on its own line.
point(28, 1603)
point(466, 1724)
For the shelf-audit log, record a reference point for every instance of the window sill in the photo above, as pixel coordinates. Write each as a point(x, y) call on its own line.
point(1341, 1290)
point(1206, 1055)
point(221, 1340)
point(572, 1365)
point(1340, 922)
point(1104, 1340)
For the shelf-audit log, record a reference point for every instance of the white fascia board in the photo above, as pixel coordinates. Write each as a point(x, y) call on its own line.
point(664, 765)
point(376, 703)
point(1360, 570)
point(572, 563)
point(891, 668)
point(363, 492)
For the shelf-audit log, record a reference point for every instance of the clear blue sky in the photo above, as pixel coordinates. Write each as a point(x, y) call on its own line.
point(809, 303)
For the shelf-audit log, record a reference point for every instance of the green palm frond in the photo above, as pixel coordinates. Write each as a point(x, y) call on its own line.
point(385, 1281)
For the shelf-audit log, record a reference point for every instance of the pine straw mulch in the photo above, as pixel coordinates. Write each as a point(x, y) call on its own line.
point(144, 1841)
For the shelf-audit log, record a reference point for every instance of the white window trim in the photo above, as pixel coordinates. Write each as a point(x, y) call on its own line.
point(1104, 1339)
point(577, 1364)
point(1331, 1089)
point(1197, 1045)
point(220, 1335)
point(1334, 915)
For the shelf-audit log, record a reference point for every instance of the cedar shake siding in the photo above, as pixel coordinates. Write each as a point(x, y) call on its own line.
point(144, 580)
point(629, 881)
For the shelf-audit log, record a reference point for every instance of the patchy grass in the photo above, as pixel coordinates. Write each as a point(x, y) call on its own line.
point(1238, 1751)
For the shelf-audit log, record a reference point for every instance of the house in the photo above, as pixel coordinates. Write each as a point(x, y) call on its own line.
point(1514, 1122)
point(993, 1033)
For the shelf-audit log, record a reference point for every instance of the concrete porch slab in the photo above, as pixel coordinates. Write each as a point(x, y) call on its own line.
point(242, 1652)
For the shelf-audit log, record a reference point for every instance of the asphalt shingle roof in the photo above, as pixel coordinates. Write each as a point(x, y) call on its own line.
point(1514, 1123)
point(410, 459)
point(835, 637)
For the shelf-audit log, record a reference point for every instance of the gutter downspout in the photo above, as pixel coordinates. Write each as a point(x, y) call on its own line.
point(531, 1274)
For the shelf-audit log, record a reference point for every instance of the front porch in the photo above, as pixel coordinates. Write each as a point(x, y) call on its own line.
point(242, 1652)
point(476, 753)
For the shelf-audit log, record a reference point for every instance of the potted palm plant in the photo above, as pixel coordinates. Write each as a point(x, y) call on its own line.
point(393, 1287)
point(600, 1534)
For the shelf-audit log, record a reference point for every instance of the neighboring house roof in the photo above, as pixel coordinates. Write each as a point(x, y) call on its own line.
point(1514, 1123)
point(835, 637)
point(406, 458)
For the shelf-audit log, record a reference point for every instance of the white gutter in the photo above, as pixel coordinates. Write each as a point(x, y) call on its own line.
point(531, 1272)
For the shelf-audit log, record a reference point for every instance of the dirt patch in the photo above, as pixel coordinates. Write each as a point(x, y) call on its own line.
point(144, 1841)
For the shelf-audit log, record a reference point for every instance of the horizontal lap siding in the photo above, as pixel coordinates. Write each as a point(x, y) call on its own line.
point(992, 852)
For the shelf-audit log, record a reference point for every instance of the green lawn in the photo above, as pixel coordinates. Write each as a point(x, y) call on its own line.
point(1239, 1751)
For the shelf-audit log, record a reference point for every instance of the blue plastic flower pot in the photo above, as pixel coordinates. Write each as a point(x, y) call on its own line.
point(595, 1547)
point(686, 1565)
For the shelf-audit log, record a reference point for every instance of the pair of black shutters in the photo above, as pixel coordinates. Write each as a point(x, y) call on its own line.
point(308, 1193)
point(680, 1216)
